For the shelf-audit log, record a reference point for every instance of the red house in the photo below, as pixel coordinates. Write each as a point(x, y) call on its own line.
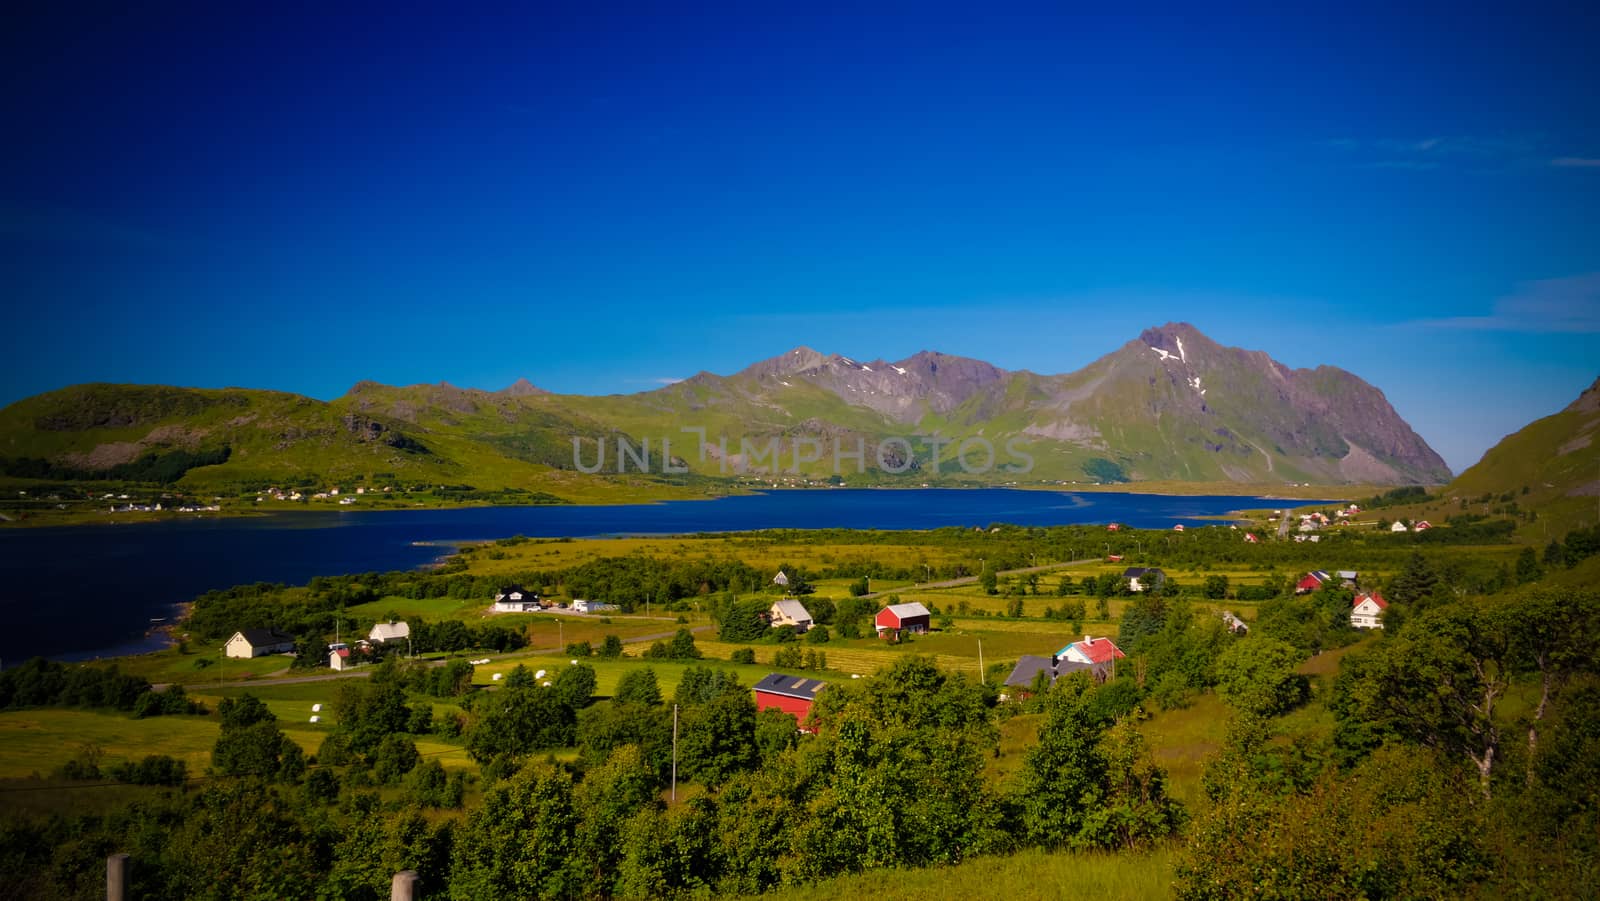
point(897, 618)
point(1310, 582)
point(791, 694)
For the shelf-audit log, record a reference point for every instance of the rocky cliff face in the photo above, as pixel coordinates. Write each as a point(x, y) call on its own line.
point(1171, 403)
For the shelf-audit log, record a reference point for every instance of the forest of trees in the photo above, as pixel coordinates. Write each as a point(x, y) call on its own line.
point(1462, 757)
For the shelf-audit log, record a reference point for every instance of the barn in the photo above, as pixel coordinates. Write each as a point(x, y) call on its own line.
point(791, 694)
point(894, 619)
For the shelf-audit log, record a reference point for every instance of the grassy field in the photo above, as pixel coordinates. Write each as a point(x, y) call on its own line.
point(763, 553)
point(38, 741)
point(607, 672)
point(1026, 876)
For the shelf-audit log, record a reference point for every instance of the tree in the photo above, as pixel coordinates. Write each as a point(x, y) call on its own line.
point(1437, 682)
point(1528, 569)
point(519, 842)
point(396, 756)
point(251, 744)
point(515, 722)
point(367, 710)
point(1416, 582)
point(611, 647)
point(1144, 617)
point(575, 685)
point(520, 677)
point(702, 684)
point(775, 732)
point(638, 686)
point(718, 738)
point(1257, 676)
point(1062, 781)
point(1215, 588)
point(682, 646)
point(989, 581)
point(608, 795)
point(604, 728)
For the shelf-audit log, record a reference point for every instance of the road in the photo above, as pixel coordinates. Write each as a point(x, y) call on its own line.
point(969, 580)
point(363, 672)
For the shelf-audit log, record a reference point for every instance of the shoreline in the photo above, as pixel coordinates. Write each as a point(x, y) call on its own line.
point(1311, 495)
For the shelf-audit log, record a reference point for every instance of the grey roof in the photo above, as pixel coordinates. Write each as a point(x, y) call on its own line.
point(1028, 668)
point(260, 637)
point(792, 609)
point(791, 686)
point(1031, 665)
point(905, 611)
point(1135, 572)
point(390, 631)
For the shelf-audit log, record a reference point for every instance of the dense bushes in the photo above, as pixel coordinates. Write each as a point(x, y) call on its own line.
point(44, 683)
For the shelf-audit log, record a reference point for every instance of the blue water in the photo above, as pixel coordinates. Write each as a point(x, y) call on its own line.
point(88, 591)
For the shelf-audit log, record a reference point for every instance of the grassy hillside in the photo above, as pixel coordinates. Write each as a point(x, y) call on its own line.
point(1552, 465)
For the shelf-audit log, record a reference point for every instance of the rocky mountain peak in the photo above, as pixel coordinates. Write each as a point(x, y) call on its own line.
point(521, 388)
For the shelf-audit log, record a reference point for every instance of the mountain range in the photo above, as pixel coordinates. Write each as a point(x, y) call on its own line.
point(1170, 404)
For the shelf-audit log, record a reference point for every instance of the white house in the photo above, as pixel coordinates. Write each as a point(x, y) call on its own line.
point(383, 632)
point(790, 612)
point(1398, 526)
point(1142, 578)
point(342, 657)
point(1368, 611)
point(248, 643)
point(782, 578)
point(513, 599)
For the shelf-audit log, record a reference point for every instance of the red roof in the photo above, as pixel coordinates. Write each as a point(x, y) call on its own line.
point(1309, 582)
point(1099, 650)
point(1115, 558)
point(1376, 599)
point(1113, 527)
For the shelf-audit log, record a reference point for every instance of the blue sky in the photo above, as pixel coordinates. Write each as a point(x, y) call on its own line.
point(601, 198)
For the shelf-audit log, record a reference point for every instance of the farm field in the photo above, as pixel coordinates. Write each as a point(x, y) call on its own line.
point(1024, 876)
point(763, 553)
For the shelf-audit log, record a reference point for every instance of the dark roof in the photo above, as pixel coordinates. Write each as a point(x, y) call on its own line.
point(259, 637)
point(1135, 572)
point(791, 686)
point(1030, 666)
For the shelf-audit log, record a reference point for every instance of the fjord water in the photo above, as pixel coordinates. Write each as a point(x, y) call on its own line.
point(87, 591)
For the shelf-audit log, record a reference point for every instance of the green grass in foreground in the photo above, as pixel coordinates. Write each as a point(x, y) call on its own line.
point(1024, 876)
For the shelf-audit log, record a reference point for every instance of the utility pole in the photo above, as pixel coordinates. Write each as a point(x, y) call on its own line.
point(674, 753)
point(982, 676)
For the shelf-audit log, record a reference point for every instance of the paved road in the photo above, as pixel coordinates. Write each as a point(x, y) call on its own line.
point(1283, 526)
point(363, 672)
point(969, 580)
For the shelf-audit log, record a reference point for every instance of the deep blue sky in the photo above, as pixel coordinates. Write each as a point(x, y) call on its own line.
point(602, 198)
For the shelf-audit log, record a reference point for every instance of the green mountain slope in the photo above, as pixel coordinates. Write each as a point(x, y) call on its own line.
point(1552, 465)
point(1169, 405)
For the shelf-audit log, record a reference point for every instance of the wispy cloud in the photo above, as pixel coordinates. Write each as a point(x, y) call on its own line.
point(1437, 152)
point(1569, 305)
point(1576, 162)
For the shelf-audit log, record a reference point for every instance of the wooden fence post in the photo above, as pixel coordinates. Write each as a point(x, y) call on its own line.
point(117, 877)
point(404, 886)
